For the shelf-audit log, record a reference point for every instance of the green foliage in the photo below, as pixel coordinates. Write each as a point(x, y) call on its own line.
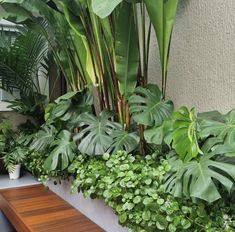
point(126, 49)
point(55, 136)
point(147, 106)
point(222, 127)
point(103, 8)
point(63, 152)
point(95, 133)
point(34, 163)
point(123, 141)
point(162, 15)
point(43, 138)
point(14, 157)
point(99, 52)
point(161, 134)
point(185, 134)
point(200, 178)
point(66, 109)
point(5, 135)
point(99, 134)
point(19, 70)
point(133, 187)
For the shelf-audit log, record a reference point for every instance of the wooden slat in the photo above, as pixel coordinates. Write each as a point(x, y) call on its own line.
point(33, 209)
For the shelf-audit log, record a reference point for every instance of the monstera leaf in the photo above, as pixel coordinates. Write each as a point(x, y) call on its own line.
point(221, 127)
point(95, 134)
point(147, 107)
point(158, 135)
point(67, 108)
point(198, 178)
point(63, 152)
point(123, 141)
point(185, 141)
point(44, 138)
point(104, 8)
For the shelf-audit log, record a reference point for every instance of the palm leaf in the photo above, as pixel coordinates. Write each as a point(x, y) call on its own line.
point(20, 64)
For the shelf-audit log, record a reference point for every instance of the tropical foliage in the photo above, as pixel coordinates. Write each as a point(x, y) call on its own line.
point(111, 110)
point(22, 66)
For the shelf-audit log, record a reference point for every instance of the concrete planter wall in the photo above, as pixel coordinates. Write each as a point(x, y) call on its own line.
point(96, 210)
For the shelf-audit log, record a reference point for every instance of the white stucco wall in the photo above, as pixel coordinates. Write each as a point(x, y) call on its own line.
point(202, 61)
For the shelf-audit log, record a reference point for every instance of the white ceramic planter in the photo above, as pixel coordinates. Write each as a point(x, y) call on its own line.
point(95, 210)
point(16, 173)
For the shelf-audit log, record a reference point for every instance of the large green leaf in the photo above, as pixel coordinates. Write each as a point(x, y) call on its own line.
point(162, 15)
point(147, 106)
point(126, 49)
point(123, 141)
point(19, 64)
point(160, 134)
point(43, 138)
point(14, 13)
point(83, 53)
point(104, 8)
point(68, 107)
point(63, 153)
point(95, 133)
point(185, 134)
point(221, 127)
point(198, 178)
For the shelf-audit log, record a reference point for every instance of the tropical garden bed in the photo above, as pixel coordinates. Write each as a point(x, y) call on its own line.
point(116, 134)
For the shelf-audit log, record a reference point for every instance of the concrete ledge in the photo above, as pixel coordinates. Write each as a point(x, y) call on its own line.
point(95, 210)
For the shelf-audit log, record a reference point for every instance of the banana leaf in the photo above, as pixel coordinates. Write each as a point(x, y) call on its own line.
point(127, 53)
point(162, 15)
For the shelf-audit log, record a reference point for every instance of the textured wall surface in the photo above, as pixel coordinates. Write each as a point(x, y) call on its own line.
point(202, 61)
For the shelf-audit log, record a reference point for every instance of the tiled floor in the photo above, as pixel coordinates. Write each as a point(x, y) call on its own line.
point(25, 180)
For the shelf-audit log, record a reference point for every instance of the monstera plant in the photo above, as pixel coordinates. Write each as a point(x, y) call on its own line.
point(202, 156)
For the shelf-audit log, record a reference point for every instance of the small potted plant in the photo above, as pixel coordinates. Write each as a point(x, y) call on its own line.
point(6, 140)
point(13, 160)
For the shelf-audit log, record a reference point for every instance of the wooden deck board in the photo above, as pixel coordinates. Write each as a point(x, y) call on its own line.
point(33, 209)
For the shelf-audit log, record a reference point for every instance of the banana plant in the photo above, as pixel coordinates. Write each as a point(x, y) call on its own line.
point(63, 42)
point(162, 15)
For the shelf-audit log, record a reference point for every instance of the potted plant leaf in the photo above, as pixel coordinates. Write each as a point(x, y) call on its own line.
point(6, 138)
point(13, 160)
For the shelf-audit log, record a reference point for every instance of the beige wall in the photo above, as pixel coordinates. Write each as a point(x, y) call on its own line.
point(202, 62)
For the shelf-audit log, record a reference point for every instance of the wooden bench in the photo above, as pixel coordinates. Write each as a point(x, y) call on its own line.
point(33, 209)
